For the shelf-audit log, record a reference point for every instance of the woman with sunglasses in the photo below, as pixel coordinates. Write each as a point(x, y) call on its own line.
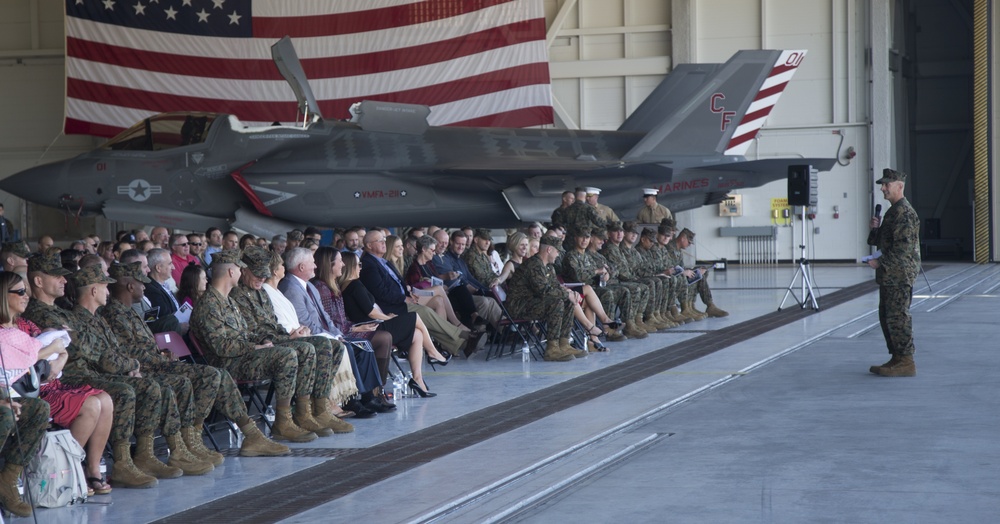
point(85, 411)
point(82, 410)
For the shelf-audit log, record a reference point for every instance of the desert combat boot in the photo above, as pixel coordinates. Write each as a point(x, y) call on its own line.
point(904, 367)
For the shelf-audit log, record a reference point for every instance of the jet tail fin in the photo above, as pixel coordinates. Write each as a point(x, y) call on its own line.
point(711, 109)
point(287, 61)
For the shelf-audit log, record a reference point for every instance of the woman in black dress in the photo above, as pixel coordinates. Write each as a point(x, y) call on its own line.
point(408, 331)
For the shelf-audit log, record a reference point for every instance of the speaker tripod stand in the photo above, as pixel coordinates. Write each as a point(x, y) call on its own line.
point(802, 274)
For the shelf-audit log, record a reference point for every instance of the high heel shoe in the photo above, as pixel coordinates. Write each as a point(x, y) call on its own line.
point(614, 324)
point(590, 331)
point(423, 393)
point(436, 362)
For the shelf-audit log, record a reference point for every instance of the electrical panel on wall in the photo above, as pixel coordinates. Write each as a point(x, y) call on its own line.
point(732, 206)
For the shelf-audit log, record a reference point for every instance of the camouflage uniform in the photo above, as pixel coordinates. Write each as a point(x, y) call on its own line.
point(480, 266)
point(31, 426)
point(262, 324)
point(676, 258)
point(534, 292)
point(628, 273)
point(213, 387)
point(216, 322)
point(559, 216)
point(898, 240)
point(657, 261)
point(638, 293)
point(580, 216)
point(98, 345)
point(94, 361)
point(582, 267)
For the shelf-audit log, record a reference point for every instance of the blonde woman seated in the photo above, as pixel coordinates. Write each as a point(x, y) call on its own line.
point(407, 330)
point(517, 248)
point(344, 386)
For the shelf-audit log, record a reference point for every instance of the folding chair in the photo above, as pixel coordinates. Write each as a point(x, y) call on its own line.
point(175, 343)
point(508, 327)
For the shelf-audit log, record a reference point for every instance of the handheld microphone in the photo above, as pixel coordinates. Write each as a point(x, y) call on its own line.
point(878, 210)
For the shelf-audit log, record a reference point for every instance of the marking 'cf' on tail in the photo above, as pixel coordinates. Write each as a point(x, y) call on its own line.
point(762, 104)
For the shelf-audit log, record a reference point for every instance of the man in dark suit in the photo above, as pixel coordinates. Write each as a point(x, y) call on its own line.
point(300, 267)
point(382, 281)
point(159, 295)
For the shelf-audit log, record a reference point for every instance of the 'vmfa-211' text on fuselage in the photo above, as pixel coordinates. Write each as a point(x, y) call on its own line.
point(388, 166)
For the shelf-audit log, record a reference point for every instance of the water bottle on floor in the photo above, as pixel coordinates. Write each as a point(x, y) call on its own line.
point(269, 415)
point(525, 352)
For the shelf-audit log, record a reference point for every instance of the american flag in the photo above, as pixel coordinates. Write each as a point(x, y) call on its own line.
point(474, 62)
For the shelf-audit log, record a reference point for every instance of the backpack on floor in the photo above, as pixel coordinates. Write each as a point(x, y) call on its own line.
point(55, 474)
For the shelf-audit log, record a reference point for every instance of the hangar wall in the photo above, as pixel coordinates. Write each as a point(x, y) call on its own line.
point(605, 57)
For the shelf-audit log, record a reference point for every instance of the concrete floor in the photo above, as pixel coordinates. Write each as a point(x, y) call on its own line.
point(788, 426)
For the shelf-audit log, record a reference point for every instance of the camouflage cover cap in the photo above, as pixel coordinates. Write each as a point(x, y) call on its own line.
point(581, 232)
point(229, 256)
point(18, 248)
point(891, 175)
point(669, 222)
point(648, 233)
point(48, 264)
point(615, 226)
point(687, 233)
point(599, 233)
point(549, 241)
point(91, 275)
point(295, 234)
point(258, 261)
point(483, 233)
point(629, 227)
point(130, 270)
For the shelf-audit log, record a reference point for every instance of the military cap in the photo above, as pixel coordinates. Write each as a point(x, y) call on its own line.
point(18, 248)
point(483, 233)
point(593, 191)
point(650, 192)
point(687, 233)
point(48, 264)
point(581, 232)
point(131, 270)
point(229, 256)
point(891, 175)
point(294, 234)
point(258, 261)
point(629, 227)
point(549, 241)
point(599, 233)
point(648, 233)
point(665, 230)
point(91, 275)
point(615, 226)
point(669, 222)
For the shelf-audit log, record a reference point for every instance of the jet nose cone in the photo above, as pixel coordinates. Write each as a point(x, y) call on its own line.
point(41, 184)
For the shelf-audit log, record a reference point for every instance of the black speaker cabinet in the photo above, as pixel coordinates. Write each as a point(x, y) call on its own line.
point(802, 186)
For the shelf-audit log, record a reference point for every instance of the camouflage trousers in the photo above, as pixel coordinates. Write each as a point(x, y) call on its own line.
point(894, 317)
point(31, 424)
point(616, 297)
point(138, 404)
point(556, 312)
point(640, 297)
point(195, 386)
point(329, 353)
point(280, 364)
point(658, 294)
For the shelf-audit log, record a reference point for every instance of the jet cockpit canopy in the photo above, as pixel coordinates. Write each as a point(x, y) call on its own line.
point(164, 131)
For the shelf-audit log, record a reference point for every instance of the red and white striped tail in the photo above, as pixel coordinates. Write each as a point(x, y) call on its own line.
point(762, 104)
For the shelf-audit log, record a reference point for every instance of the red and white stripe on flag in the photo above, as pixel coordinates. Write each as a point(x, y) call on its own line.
point(474, 62)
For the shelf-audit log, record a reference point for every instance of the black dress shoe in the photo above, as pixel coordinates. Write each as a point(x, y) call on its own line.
point(376, 404)
point(359, 409)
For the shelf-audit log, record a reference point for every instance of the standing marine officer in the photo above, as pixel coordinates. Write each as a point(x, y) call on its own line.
point(895, 270)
